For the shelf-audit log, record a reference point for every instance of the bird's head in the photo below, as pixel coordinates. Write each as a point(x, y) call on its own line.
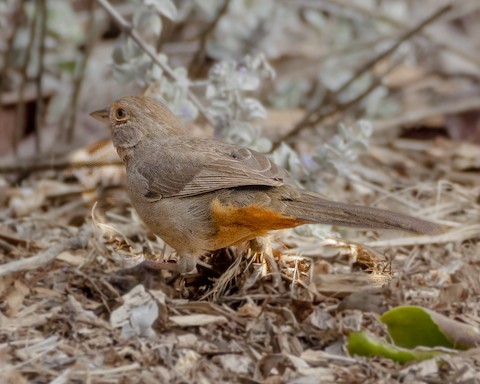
point(132, 119)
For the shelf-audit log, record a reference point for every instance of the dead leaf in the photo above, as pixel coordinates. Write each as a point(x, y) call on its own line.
point(343, 285)
point(69, 258)
point(371, 300)
point(15, 297)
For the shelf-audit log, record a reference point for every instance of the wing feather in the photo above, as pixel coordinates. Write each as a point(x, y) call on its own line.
point(187, 167)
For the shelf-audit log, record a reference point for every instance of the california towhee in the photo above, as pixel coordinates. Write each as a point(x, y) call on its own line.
point(201, 194)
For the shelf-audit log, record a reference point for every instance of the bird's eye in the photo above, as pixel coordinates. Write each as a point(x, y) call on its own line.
point(120, 114)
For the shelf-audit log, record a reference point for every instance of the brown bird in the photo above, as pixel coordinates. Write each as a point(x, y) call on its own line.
point(200, 195)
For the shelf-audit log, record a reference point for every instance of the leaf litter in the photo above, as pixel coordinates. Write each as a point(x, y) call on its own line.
point(67, 315)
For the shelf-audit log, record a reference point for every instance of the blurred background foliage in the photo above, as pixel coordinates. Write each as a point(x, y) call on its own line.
point(229, 65)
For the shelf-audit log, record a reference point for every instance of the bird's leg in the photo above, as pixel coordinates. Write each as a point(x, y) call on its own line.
point(263, 246)
point(186, 263)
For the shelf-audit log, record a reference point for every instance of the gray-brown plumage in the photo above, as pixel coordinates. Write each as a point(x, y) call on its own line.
point(200, 195)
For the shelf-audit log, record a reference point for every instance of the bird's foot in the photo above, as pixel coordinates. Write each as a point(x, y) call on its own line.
point(263, 247)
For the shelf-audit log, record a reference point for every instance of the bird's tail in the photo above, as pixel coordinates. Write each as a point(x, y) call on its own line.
point(313, 208)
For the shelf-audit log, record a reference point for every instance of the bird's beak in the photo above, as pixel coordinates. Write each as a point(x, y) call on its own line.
point(101, 115)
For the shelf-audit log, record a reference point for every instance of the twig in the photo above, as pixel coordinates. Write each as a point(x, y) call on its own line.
point(6, 246)
point(374, 14)
point(316, 114)
point(343, 107)
point(12, 239)
point(78, 82)
point(42, 259)
point(199, 57)
point(40, 166)
point(20, 112)
point(42, 15)
point(378, 81)
point(457, 235)
point(128, 29)
point(445, 108)
point(108, 373)
point(17, 13)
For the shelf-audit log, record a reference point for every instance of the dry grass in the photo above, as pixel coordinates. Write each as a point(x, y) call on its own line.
point(67, 316)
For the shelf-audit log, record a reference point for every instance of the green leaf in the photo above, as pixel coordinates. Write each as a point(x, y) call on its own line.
point(147, 21)
point(362, 344)
point(164, 7)
point(68, 66)
point(412, 326)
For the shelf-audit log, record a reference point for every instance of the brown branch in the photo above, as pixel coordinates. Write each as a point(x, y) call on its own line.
point(16, 17)
point(128, 29)
point(199, 57)
point(20, 112)
point(44, 258)
point(78, 82)
point(318, 113)
point(440, 108)
point(344, 107)
point(374, 14)
point(375, 83)
point(40, 107)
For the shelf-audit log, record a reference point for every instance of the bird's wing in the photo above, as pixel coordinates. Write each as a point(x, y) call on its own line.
point(194, 167)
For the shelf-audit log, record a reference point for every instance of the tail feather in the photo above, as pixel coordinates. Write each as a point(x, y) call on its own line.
point(311, 207)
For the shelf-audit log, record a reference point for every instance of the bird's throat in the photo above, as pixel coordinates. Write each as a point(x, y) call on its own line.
point(125, 153)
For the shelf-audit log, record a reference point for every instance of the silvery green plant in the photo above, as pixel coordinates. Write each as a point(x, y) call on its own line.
point(227, 92)
point(131, 63)
point(63, 37)
point(227, 89)
point(337, 156)
point(298, 167)
point(252, 26)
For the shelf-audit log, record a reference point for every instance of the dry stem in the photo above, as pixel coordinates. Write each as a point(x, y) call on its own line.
point(42, 259)
point(317, 114)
